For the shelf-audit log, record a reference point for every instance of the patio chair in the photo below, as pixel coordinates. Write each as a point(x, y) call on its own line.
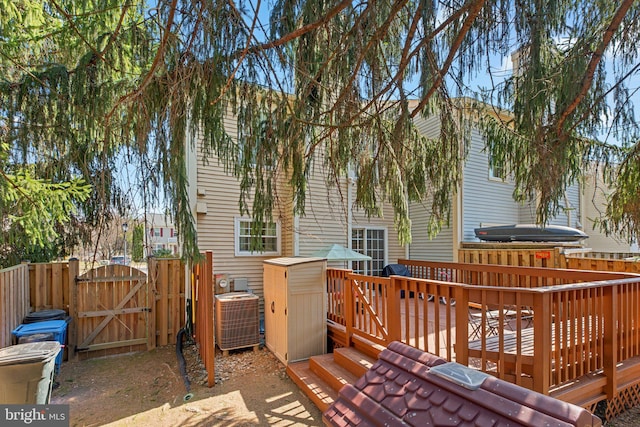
point(492, 318)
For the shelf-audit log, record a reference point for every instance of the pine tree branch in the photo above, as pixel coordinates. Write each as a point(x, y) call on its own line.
point(304, 29)
point(596, 57)
point(154, 66)
point(466, 26)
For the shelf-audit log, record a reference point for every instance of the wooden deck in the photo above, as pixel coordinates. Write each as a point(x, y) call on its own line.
point(553, 352)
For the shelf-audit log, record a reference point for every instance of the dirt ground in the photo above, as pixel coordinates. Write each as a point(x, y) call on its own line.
point(147, 389)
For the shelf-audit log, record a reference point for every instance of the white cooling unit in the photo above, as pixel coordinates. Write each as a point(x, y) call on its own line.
point(237, 322)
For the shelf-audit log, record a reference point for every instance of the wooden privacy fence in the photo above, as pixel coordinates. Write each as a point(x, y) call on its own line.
point(14, 300)
point(515, 254)
point(600, 263)
point(580, 341)
point(167, 282)
point(41, 286)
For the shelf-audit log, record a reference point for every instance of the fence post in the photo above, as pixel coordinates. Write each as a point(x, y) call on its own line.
point(348, 309)
point(152, 302)
point(72, 334)
point(393, 308)
point(610, 357)
point(462, 325)
point(542, 342)
point(208, 328)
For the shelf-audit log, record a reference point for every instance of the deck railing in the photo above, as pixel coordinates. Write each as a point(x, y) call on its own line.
point(556, 325)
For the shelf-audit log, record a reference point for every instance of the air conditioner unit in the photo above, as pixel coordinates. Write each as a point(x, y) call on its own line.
point(237, 323)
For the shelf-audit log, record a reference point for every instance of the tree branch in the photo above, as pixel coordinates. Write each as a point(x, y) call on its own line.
point(156, 63)
point(596, 57)
point(466, 26)
point(304, 29)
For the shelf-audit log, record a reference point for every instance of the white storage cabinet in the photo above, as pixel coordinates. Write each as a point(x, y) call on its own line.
point(295, 307)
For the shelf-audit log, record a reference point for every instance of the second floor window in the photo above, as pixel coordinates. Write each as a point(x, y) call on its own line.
point(496, 169)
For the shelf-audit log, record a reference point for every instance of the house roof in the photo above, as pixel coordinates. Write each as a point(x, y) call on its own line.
point(404, 388)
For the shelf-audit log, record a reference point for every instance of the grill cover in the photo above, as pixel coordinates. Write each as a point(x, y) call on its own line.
point(395, 270)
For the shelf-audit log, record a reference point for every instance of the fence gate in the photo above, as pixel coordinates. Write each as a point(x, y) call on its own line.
point(112, 311)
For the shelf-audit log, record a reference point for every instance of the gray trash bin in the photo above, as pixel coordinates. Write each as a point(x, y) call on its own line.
point(26, 372)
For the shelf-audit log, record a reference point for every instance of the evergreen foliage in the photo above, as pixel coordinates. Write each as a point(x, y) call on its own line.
point(328, 84)
point(137, 243)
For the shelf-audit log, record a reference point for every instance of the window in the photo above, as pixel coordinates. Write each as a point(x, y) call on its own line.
point(372, 242)
point(253, 140)
point(496, 170)
point(156, 232)
point(266, 243)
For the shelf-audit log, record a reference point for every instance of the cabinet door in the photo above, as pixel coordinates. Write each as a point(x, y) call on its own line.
point(275, 306)
point(281, 317)
point(269, 280)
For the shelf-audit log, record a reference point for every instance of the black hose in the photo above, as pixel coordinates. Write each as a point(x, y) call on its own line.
point(183, 364)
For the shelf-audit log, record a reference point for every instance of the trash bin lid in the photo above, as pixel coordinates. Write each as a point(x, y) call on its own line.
point(40, 327)
point(29, 352)
point(42, 315)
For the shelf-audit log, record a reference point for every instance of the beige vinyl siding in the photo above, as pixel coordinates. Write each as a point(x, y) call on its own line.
point(440, 247)
point(220, 193)
point(325, 219)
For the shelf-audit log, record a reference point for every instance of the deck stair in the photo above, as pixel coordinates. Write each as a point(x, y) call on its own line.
point(321, 377)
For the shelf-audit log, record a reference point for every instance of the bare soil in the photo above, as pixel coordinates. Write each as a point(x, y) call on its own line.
point(147, 389)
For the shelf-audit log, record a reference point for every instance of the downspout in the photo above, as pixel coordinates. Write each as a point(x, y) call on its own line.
point(187, 331)
point(296, 235)
point(458, 226)
point(191, 166)
point(351, 181)
point(567, 209)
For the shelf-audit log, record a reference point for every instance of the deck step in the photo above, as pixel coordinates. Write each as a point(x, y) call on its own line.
point(331, 372)
point(353, 360)
point(319, 391)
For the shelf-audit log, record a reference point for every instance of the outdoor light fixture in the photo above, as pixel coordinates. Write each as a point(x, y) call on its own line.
point(125, 227)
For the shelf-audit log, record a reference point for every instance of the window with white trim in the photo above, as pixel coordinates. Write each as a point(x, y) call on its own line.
point(266, 243)
point(372, 242)
point(496, 169)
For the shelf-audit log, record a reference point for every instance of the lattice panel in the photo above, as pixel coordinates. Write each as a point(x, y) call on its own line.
point(609, 409)
point(626, 399)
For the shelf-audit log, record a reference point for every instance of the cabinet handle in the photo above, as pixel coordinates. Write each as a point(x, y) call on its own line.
point(273, 306)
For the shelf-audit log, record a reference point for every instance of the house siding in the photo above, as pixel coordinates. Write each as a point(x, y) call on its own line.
point(326, 219)
point(422, 247)
point(485, 200)
point(326, 216)
point(594, 206)
point(439, 248)
point(219, 192)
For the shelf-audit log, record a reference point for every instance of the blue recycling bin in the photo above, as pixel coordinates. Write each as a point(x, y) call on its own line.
point(50, 330)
